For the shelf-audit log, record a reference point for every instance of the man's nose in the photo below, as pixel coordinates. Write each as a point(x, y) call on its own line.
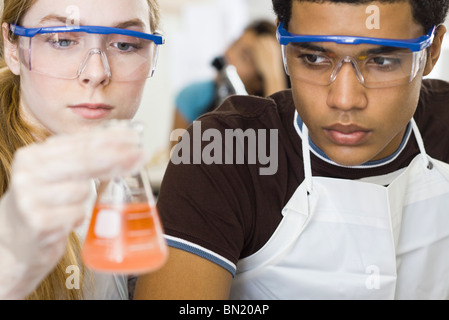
point(95, 69)
point(346, 91)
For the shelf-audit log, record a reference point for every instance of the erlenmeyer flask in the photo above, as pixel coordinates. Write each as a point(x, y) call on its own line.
point(125, 234)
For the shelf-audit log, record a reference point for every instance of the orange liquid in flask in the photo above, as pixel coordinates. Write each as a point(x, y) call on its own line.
point(125, 238)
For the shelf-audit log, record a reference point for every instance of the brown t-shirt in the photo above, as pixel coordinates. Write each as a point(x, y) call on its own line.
point(226, 212)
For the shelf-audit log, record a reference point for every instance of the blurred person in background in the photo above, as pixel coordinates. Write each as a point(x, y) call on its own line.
point(256, 56)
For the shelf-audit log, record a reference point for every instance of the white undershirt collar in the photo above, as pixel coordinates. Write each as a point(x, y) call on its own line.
point(297, 123)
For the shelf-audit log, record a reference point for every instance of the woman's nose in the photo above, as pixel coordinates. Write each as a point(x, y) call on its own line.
point(95, 69)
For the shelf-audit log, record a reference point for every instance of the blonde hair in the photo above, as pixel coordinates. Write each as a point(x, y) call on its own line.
point(16, 133)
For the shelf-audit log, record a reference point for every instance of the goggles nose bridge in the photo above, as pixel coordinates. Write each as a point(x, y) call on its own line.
point(355, 66)
point(104, 60)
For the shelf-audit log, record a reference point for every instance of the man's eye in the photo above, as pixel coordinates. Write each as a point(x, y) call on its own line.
point(314, 59)
point(385, 62)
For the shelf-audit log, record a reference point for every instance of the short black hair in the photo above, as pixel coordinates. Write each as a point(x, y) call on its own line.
point(426, 12)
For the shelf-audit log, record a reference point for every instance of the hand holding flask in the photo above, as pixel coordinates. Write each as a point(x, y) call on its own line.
point(125, 234)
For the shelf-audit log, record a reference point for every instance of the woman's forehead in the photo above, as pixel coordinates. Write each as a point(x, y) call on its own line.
point(87, 12)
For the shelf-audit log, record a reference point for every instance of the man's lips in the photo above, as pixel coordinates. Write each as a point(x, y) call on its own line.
point(91, 110)
point(347, 135)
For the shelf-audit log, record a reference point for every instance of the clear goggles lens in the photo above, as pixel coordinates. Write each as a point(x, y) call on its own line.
point(66, 55)
point(375, 67)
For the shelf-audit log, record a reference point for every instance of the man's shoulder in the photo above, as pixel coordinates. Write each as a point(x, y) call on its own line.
point(435, 92)
point(434, 99)
point(432, 117)
point(252, 108)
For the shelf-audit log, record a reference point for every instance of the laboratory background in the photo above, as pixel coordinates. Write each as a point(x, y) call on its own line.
point(196, 32)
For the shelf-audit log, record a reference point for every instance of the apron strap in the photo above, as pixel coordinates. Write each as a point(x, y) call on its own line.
point(420, 141)
point(306, 158)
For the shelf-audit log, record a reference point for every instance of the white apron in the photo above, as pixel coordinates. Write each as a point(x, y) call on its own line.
point(346, 239)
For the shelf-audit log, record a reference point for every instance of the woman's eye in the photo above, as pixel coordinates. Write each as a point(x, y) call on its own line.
point(125, 46)
point(64, 43)
point(61, 40)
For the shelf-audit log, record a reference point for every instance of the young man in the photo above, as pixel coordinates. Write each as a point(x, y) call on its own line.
point(358, 205)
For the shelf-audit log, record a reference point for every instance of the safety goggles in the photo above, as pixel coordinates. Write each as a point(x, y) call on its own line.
point(65, 51)
point(379, 63)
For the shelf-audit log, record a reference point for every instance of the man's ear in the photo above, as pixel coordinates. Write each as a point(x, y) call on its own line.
point(435, 49)
point(10, 51)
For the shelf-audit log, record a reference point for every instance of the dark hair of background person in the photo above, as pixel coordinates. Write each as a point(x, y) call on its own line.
point(264, 27)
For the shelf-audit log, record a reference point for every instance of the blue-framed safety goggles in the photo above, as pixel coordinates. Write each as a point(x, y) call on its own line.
point(417, 44)
point(31, 32)
point(65, 51)
point(381, 62)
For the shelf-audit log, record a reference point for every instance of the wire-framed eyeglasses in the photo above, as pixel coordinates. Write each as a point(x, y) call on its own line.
point(64, 51)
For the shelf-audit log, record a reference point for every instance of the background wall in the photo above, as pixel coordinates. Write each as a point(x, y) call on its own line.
point(197, 31)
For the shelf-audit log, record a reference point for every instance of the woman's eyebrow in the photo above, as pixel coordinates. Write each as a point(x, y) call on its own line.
point(122, 25)
point(131, 23)
point(54, 17)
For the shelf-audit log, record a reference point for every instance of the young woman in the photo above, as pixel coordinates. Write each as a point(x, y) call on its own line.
point(67, 67)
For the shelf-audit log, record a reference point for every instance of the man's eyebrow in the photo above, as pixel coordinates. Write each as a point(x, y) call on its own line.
point(122, 25)
point(376, 50)
point(382, 49)
point(310, 46)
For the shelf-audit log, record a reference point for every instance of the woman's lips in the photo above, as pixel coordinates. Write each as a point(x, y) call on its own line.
point(91, 111)
point(347, 135)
